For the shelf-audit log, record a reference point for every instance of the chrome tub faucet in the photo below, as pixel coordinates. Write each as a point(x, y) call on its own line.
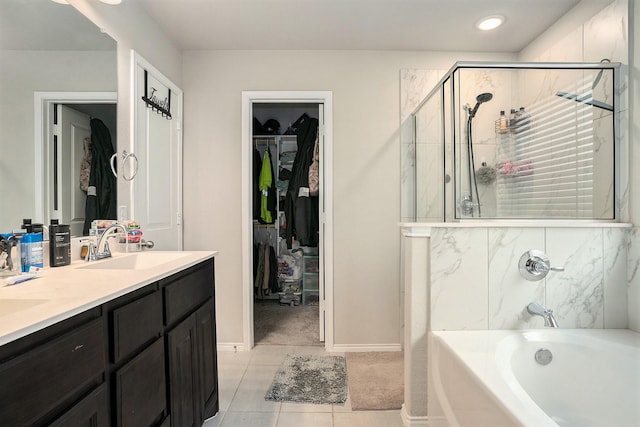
point(538, 310)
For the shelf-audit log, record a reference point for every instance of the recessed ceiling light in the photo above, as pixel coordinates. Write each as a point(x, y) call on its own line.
point(61, 1)
point(490, 22)
point(111, 1)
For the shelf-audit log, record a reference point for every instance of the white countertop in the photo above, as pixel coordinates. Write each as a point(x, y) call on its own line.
point(63, 292)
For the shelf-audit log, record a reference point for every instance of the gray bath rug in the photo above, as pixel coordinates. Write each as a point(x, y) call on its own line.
point(310, 379)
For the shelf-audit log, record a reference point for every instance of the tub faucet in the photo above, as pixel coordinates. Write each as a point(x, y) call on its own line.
point(538, 310)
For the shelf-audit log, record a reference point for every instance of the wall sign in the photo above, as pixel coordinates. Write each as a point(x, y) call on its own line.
point(157, 96)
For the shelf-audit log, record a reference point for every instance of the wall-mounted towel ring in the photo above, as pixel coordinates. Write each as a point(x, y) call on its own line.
point(125, 156)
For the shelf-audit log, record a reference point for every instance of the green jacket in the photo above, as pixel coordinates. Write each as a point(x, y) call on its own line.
point(264, 183)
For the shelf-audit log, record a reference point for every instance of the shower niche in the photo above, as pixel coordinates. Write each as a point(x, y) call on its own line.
point(518, 141)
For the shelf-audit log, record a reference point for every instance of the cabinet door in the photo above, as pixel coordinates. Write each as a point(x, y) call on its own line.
point(38, 382)
point(140, 389)
point(208, 367)
point(89, 412)
point(182, 342)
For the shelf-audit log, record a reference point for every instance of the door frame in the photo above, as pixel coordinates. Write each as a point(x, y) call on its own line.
point(43, 126)
point(326, 193)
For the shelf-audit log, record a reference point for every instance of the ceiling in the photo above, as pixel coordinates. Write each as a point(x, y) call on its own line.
point(437, 25)
point(442, 25)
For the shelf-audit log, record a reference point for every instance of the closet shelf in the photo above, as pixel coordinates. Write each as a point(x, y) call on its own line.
point(258, 225)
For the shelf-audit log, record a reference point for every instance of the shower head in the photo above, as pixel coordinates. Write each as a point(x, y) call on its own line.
point(484, 97)
point(480, 99)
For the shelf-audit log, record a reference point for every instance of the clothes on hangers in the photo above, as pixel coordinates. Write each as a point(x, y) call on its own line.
point(265, 273)
point(301, 209)
point(265, 182)
point(265, 201)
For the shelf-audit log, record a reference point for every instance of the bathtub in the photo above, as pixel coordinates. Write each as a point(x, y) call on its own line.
point(492, 378)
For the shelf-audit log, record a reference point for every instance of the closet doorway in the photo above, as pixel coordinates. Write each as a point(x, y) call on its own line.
point(287, 229)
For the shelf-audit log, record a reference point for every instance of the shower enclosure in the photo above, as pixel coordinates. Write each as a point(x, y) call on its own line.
point(517, 141)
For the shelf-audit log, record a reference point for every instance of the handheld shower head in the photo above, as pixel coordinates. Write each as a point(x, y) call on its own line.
point(480, 99)
point(484, 97)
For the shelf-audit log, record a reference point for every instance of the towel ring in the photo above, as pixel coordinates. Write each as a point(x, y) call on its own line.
point(125, 157)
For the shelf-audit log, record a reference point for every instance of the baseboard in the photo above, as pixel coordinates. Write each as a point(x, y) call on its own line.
point(231, 346)
point(413, 421)
point(365, 347)
point(422, 421)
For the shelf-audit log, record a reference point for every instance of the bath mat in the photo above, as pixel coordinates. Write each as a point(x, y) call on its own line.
point(376, 380)
point(310, 379)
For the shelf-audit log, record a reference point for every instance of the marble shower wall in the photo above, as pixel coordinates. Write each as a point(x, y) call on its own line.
point(415, 85)
point(475, 282)
point(605, 35)
point(633, 277)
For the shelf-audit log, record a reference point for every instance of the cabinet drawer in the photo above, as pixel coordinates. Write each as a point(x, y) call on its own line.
point(39, 381)
point(135, 325)
point(89, 412)
point(185, 293)
point(310, 282)
point(311, 264)
point(140, 388)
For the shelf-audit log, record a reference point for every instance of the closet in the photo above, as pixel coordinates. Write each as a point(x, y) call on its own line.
point(285, 209)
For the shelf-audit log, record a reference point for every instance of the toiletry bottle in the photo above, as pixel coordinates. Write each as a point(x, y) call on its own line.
point(25, 251)
point(502, 123)
point(31, 252)
point(524, 120)
point(512, 121)
point(59, 244)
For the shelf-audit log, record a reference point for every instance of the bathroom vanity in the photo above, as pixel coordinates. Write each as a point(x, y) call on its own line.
point(127, 341)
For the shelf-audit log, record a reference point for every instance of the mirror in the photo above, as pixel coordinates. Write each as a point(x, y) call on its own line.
point(49, 52)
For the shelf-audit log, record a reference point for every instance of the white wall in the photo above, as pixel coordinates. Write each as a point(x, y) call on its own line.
point(21, 74)
point(365, 86)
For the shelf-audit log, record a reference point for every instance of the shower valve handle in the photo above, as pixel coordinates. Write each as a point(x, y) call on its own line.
point(534, 265)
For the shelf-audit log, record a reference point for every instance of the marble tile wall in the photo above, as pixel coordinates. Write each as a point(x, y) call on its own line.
point(633, 277)
point(475, 282)
point(415, 85)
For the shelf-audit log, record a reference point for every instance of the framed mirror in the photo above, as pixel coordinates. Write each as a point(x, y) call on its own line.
point(53, 59)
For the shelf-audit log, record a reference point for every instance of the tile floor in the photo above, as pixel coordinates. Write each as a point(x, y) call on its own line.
point(245, 377)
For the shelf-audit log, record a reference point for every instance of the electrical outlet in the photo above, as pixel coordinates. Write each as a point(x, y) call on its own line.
point(122, 213)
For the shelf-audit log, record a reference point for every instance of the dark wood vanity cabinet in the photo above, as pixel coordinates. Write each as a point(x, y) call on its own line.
point(191, 344)
point(147, 358)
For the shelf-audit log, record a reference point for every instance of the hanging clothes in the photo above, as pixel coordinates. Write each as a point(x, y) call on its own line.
point(301, 209)
point(257, 167)
point(102, 190)
point(265, 182)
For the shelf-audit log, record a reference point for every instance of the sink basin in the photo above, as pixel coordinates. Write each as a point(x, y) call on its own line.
point(137, 261)
point(10, 306)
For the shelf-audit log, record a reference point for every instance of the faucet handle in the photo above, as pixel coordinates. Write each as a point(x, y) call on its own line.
point(91, 254)
point(534, 265)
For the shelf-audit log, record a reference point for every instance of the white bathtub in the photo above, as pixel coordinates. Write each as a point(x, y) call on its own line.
point(491, 378)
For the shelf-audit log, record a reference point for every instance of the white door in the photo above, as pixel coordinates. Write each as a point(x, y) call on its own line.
point(157, 201)
point(66, 200)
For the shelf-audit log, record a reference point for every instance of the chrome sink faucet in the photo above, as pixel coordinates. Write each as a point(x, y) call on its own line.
point(102, 247)
point(538, 310)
